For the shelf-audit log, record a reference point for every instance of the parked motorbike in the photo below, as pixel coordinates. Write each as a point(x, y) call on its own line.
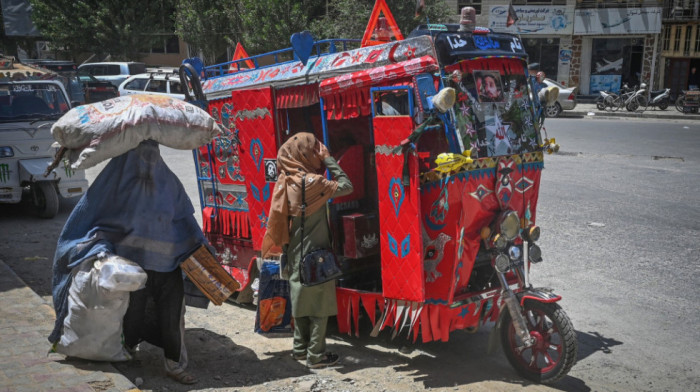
point(660, 99)
point(604, 99)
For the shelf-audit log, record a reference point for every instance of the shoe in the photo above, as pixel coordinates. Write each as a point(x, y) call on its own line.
point(329, 360)
point(299, 357)
point(183, 377)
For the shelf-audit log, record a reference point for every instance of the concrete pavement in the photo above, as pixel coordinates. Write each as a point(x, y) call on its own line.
point(25, 365)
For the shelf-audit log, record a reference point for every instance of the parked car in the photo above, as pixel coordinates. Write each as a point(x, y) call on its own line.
point(96, 90)
point(565, 101)
point(165, 82)
point(113, 72)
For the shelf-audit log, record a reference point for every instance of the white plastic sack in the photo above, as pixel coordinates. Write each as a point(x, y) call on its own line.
point(97, 301)
point(102, 130)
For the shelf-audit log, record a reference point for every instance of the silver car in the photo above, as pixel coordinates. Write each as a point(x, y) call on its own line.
point(565, 101)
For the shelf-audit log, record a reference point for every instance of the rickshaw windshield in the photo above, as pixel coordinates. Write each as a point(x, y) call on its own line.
point(494, 112)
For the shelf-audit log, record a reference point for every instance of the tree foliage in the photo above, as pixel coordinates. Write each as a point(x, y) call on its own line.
point(123, 29)
point(349, 18)
point(269, 24)
point(209, 26)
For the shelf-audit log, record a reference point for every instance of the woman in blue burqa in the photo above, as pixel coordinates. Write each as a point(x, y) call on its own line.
point(137, 209)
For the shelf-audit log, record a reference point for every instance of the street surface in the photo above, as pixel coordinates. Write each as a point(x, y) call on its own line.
point(620, 216)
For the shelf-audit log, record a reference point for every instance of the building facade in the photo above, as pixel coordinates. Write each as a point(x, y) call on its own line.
point(603, 44)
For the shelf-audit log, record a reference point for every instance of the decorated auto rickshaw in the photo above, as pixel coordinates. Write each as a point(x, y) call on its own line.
point(440, 133)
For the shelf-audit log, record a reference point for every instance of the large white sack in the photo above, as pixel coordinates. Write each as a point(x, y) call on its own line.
point(97, 301)
point(106, 129)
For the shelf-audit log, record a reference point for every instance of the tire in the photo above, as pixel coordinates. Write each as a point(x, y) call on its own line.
point(663, 105)
point(642, 103)
point(553, 110)
point(632, 105)
point(600, 103)
point(45, 199)
point(555, 348)
point(616, 104)
point(680, 103)
point(609, 103)
point(189, 78)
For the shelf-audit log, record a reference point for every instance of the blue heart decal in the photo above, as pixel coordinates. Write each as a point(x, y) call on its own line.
point(303, 45)
point(393, 245)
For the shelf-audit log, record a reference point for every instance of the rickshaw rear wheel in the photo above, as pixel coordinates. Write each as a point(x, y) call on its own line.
point(554, 351)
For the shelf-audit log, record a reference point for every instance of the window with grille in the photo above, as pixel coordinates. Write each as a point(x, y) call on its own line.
point(666, 40)
point(688, 34)
point(677, 40)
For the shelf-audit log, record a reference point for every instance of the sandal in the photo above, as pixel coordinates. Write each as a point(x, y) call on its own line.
point(183, 377)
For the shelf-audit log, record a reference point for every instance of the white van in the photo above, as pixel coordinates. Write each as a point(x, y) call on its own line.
point(28, 109)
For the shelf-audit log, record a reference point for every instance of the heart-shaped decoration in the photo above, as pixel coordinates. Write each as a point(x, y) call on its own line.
point(303, 44)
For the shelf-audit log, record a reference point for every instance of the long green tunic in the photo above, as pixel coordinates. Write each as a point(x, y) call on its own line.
point(319, 300)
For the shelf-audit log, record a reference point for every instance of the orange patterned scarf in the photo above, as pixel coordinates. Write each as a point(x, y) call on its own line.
point(299, 155)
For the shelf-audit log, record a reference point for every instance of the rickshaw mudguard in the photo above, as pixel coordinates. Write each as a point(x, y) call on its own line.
point(399, 205)
point(532, 294)
point(537, 294)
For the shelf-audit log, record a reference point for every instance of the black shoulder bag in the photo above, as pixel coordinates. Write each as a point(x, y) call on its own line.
point(318, 266)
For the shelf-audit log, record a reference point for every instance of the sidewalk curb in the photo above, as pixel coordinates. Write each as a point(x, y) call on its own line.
point(25, 322)
point(591, 111)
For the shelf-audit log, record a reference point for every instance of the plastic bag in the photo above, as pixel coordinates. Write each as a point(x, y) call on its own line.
point(274, 313)
point(93, 327)
point(96, 132)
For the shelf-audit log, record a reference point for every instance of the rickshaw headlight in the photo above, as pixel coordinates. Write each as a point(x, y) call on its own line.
point(6, 152)
point(499, 242)
point(514, 253)
point(510, 225)
point(534, 253)
point(532, 233)
point(502, 263)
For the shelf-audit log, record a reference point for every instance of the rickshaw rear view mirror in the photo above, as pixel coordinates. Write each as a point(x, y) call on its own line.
point(444, 100)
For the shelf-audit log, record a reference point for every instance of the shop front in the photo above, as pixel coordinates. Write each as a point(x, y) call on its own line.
point(545, 33)
point(617, 47)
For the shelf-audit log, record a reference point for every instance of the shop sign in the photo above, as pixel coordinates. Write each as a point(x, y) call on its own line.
point(645, 20)
point(546, 20)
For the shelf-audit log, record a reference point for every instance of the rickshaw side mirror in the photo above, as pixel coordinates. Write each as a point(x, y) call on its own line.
point(444, 100)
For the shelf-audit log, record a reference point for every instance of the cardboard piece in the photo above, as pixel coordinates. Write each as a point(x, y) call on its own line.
point(209, 276)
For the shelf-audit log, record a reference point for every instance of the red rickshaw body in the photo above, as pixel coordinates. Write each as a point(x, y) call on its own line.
point(411, 237)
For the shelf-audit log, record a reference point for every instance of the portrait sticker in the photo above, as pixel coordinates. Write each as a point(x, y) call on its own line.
point(270, 170)
point(488, 86)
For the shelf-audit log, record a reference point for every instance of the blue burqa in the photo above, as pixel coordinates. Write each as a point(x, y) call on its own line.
point(136, 208)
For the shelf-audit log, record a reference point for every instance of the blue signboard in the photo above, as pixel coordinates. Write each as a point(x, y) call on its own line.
point(605, 83)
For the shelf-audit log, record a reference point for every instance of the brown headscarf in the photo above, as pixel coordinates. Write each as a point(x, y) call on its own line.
point(301, 154)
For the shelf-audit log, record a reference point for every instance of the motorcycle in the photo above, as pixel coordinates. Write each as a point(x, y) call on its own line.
point(660, 98)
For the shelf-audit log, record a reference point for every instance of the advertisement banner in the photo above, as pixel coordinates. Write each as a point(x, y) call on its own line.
point(533, 19)
point(645, 20)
